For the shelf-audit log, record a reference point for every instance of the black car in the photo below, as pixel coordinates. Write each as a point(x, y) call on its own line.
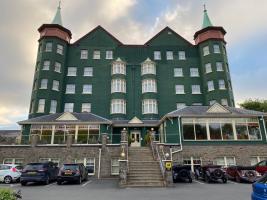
point(39, 172)
point(182, 173)
point(72, 173)
point(210, 173)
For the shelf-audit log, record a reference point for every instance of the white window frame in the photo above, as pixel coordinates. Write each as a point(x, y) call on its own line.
point(96, 54)
point(118, 68)
point(60, 49)
point(41, 106)
point(222, 85)
point(180, 105)
point(181, 55)
point(208, 68)
point(178, 72)
point(46, 65)
point(13, 162)
point(179, 89)
point(84, 54)
point(53, 106)
point(224, 102)
point(148, 68)
point(88, 71)
point(112, 165)
point(86, 107)
point(206, 50)
point(109, 54)
point(219, 66)
point(149, 85)
point(55, 85)
point(72, 71)
point(157, 55)
point(194, 72)
point(118, 106)
point(118, 85)
point(196, 89)
point(57, 67)
point(192, 163)
point(43, 84)
point(49, 47)
point(169, 55)
point(149, 106)
point(68, 107)
point(70, 89)
point(216, 48)
point(225, 160)
point(210, 86)
point(87, 89)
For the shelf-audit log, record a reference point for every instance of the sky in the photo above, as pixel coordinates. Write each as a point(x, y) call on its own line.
point(132, 22)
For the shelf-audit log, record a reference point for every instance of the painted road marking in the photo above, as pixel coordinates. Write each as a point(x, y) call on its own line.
point(198, 182)
point(87, 182)
point(232, 182)
point(51, 184)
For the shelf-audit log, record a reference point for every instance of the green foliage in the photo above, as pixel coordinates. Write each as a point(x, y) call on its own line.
point(147, 139)
point(258, 105)
point(7, 194)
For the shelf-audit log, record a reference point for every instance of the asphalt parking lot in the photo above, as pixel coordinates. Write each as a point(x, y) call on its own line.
point(108, 189)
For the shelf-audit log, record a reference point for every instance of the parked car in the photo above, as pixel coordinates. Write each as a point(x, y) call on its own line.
point(39, 172)
point(182, 173)
point(260, 189)
point(72, 173)
point(210, 173)
point(9, 173)
point(261, 167)
point(242, 174)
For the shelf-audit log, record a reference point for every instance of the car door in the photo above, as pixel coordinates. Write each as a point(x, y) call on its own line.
point(261, 167)
point(1, 173)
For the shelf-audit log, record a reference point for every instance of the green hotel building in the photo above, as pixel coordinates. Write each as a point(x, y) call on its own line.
point(180, 91)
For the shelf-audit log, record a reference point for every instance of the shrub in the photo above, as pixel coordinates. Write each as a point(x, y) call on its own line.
point(7, 194)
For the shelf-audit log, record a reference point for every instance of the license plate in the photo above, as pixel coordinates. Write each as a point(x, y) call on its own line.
point(68, 173)
point(31, 172)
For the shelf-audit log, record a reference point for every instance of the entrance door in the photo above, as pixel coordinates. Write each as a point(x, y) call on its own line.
point(135, 137)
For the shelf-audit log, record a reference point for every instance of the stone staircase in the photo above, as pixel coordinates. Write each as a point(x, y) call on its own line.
point(144, 171)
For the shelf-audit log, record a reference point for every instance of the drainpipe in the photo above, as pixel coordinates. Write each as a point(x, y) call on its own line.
point(264, 127)
point(180, 134)
point(99, 163)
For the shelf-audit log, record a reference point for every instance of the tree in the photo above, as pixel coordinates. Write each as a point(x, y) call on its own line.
point(257, 104)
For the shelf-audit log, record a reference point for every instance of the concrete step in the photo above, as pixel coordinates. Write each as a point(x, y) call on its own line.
point(141, 178)
point(149, 183)
point(133, 175)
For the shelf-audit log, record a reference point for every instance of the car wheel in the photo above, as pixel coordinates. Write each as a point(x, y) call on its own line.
point(47, 181)
point(80, 180)
point(224, 180)
point(237, 179)
point(23, 183)
point(190, 180)
point(207, 179)
point(8, 179)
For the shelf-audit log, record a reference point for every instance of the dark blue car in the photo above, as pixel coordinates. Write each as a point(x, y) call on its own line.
point(39, 172)
point(260, 189)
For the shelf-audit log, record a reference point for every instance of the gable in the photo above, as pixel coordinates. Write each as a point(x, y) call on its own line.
point(217, 108)
point(98, 37)
point(168, 37)
point(67, 117)
point(135, 120)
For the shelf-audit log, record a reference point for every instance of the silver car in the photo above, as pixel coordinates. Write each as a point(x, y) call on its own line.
point(9, 173)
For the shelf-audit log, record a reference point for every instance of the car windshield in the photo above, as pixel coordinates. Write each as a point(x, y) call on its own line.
point(36, 166)
point(263, 179)
point(70, 167)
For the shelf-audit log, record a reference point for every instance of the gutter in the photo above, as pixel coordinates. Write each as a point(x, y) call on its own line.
point(180, 134)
